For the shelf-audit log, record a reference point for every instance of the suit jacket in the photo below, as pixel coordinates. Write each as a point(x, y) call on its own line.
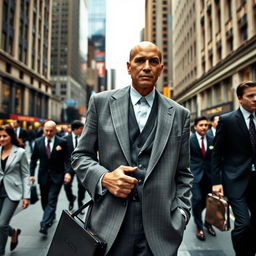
point(53, 168)
point(70, 146)
point(23, 135)
point(232, 155)
point(104, 146)
point(200, 165)
point(16, 175)
point(210, 132)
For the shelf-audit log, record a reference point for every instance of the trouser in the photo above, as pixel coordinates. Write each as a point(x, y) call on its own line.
point(131, 239)
point(244, 209)
point(69, 192)
point(199, 194)
point(7, 209)
point(49, 199)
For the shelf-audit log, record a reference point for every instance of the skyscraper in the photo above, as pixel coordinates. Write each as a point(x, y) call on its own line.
point(97, 34)
point(68, 55)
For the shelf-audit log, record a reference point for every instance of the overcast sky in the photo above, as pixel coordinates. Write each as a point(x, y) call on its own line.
point(125, 20)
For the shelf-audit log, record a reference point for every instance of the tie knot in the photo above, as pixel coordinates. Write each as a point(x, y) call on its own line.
point(49, 141)
point(202, 137)
point(251, 116)
point(143, 100)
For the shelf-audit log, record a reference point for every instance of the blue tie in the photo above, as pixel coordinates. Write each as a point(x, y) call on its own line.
point(142, 113)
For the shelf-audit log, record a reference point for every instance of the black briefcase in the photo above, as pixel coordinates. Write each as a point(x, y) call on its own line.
point(33, 194)
point(73, 238)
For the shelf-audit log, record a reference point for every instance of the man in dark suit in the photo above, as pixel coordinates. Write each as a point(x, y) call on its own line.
point(20, 132)
point(51, 151)
point(214, 122)
point(234, 164)
point(200, 160)
point(133, 159)
point(72, 140)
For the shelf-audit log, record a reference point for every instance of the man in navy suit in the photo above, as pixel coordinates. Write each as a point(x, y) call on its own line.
point(234, 165)
point(72, 140)
point(200, 158)
point(214, 122)
point(51, 151)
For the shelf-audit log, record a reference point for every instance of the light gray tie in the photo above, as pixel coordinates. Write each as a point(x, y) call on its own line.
point(142, 113)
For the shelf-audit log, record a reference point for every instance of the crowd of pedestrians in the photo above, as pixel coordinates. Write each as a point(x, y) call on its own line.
point(53, 150)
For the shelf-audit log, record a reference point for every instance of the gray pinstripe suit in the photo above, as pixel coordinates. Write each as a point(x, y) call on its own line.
point(167, 184)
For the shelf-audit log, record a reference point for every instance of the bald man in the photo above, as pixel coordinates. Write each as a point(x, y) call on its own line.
point(51, 151)
point(133, 159)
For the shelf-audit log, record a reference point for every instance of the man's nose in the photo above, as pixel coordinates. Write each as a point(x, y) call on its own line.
point(146, 65)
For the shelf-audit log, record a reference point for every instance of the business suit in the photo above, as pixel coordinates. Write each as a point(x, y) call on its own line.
point(68, 186)
point(50, 174)
point(232, 160)
point(106, 132)
point(15, 179)
point(200, 167)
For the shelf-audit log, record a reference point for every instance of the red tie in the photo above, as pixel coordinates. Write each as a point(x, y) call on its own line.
point(202, 146)
point(48, 149)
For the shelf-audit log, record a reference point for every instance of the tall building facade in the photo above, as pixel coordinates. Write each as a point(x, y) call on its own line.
point(158, 20)
point(97, 36)
point(25, 45)
point(214, 50)
point(69, 55)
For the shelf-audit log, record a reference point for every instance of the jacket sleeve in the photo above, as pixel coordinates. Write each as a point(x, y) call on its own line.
point(34, 158)
point(84, 159)
point(24, 169)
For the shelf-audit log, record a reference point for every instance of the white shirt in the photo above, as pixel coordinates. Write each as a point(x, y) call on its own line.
point(51, 143)
point(198, 136)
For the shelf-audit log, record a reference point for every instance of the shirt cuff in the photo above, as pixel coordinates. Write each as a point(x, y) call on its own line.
point(100, 190)
point(184, 215)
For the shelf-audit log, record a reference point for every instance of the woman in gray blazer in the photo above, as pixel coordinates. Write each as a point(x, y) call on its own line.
point(14, 184)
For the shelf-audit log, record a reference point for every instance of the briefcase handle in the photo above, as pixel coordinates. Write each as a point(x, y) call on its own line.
point(78, 211)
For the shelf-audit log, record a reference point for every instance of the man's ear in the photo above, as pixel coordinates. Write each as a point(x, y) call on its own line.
point(128, 67)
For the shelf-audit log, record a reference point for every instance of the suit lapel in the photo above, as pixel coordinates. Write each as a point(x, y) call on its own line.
point(1, 170)
point(11, 157)
point(241, 123)
point(119, 105)
point(165, 119)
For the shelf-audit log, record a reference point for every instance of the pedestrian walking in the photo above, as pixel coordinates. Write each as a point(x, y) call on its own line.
point(14, 184)
point(133, 159)
point(234, 165)
point(51, 151)
point(214, 122)
point(201, 145)
point(72, 141)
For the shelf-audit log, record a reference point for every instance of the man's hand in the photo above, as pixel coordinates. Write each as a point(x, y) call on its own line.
point(67, 178)
point(32, 179)
point(118, 183)
point(218, 190)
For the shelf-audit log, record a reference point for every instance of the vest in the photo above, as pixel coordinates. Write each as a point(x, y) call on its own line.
point(141, 143)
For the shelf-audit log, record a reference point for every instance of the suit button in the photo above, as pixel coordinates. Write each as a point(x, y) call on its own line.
point(140, 166)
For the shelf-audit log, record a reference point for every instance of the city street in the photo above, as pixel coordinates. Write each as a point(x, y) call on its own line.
point(32, 243)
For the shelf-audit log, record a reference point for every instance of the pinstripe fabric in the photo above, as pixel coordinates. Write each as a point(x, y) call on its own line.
point(167, 184)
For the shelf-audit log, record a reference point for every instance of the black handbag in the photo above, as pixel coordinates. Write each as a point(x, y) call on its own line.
point(33, 194)
point(73, 238)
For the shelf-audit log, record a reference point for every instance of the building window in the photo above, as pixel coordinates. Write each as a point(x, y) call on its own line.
point(18, 100)
point(6, 98)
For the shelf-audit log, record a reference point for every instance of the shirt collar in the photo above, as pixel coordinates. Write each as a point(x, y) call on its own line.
point(52, 140)
point(135, 96)
point(245, 113)
point(199, 136)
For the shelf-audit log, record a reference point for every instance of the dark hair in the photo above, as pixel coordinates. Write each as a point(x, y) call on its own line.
point(198, 119)
point(213, 117)
point(10, 131)
point(76, 125)
point(244, 85)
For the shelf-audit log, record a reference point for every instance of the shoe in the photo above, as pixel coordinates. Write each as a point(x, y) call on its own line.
point(14, 241)
point(71, 204)
point(43, 230)
point(200, 234)
point(210, 229)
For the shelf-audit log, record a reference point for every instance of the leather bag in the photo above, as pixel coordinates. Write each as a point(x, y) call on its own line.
point(72, 237)
point(33, 194)
point(217, 212)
